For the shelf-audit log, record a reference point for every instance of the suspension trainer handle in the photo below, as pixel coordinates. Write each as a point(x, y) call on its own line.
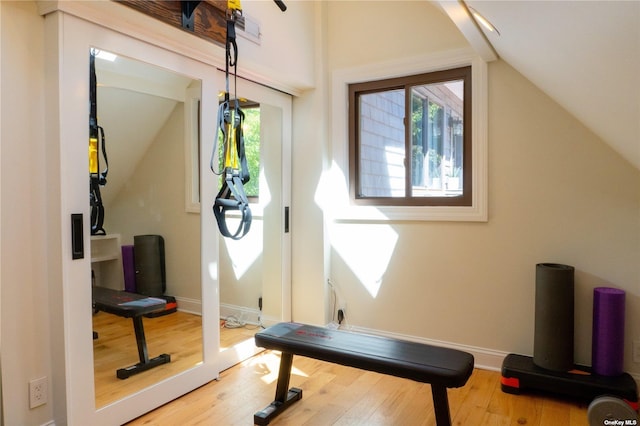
point(231, 196)
point(281, 5)
point(96, 139)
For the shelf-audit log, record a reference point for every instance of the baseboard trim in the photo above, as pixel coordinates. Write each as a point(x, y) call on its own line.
point(242, 313)
point(191, 306)
point(248, 315)
point(485, 359)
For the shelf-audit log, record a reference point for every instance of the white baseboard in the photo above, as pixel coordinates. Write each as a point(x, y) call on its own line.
point(486, 359)
point(248, 315)
point(241, 313)
point(191, 306)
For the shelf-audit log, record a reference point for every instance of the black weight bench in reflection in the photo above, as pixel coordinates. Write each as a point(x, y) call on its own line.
point(134, 306)
point(441, 367)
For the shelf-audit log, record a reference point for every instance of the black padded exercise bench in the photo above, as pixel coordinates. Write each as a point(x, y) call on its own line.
point(134, 306)
point(441, 367)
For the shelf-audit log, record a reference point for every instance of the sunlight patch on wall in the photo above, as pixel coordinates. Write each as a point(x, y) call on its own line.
point(332, 196)
point(366, 249)
point(244, 252)
point(331, 191)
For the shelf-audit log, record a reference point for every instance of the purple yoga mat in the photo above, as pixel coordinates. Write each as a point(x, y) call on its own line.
point(607, 354)
point(129, 268)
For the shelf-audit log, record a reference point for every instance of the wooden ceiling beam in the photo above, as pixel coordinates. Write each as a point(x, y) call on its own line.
point(208, 20)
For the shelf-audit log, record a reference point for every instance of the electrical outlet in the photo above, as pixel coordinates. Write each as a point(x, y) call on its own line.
point(38, 392)
point(636, 351)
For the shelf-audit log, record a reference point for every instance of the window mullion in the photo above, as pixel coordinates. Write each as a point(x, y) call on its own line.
point(408, 166)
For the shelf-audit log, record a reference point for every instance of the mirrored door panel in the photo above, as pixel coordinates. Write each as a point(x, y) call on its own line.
point(253, 271)
point(142, 114)
point(145, 98)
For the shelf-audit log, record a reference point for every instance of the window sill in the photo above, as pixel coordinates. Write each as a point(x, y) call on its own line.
point(409, 213)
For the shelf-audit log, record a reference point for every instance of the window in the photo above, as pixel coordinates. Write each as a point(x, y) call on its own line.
point(410, 140)
point(251, 134)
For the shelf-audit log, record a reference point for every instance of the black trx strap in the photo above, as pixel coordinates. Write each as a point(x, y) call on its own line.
point(96, 138)
point(281, 5)
point(235, 171)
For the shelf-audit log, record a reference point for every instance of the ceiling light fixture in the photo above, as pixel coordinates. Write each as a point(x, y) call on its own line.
point(483, 21)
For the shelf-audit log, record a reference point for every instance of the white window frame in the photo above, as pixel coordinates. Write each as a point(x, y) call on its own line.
point(341, 206)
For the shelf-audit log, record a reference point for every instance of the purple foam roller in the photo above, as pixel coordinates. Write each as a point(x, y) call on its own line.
point(607, 354)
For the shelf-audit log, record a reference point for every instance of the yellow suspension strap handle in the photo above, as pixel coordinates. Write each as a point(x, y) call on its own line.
point(229, 128)
point(96, 138)
point(235, 173)
point(234, 6)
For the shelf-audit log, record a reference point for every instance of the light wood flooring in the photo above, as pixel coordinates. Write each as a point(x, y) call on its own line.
point(339, 395)
point(332, 394)
point(177, 334)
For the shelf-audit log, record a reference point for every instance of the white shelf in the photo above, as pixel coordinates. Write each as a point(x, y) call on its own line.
point(103, 258)
point(106, 261)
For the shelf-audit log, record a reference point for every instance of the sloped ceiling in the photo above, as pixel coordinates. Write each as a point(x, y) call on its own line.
point(134, 102)
point(131, 121)
point(583, 54)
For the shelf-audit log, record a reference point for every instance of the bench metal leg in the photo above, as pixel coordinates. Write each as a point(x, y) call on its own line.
point(145, 363)
point(441, 405)
point(141, 340)
point(284, 396)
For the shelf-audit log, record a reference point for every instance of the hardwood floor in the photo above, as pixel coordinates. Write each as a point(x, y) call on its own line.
point(231, 336)
point(178, 334)
point(339, 395)
point(332, 394)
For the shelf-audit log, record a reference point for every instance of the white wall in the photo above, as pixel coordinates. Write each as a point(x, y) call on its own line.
point(283, 53)
point(557, 193)
point(310, 258)
point(562, 195)
point(26, 350)
point(152, 202)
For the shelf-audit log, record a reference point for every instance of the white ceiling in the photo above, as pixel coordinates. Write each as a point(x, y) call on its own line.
point(583, 54)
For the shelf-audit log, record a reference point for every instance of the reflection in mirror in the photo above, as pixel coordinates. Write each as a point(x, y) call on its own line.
point(251, 269)
point(142, 110)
